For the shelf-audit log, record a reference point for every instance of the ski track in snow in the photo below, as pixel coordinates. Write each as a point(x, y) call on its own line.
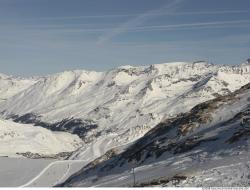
point(47, 168)
point(64, 176)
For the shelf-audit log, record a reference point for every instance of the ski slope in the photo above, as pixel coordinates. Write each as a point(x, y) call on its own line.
point(17, 171)
point(55, 173)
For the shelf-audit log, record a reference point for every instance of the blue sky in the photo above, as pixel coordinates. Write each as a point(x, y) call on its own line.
point(39, 37)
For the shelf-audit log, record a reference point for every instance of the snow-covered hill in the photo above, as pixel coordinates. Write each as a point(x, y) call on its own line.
point(116, 107)
point(10, 86)
point(19, 139)
point(207, 146)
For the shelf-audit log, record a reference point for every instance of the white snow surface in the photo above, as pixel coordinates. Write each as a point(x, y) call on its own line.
point(55, 173)
point(18, 171)
point(21, 138)
point(10, 86)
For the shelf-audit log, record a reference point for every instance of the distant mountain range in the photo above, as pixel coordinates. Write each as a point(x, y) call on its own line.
point(141, 115)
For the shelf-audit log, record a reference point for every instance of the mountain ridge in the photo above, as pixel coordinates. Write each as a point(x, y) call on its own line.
point(125, 102)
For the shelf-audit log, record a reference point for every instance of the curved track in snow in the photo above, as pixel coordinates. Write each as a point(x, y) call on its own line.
point(55, 173)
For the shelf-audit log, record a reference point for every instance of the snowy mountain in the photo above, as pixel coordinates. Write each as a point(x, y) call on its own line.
point(157, 116)
point(206, 146)
point(116, 107)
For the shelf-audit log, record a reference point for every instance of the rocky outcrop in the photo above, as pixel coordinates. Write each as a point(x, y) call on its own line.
point(61, 155)
point(162, 181)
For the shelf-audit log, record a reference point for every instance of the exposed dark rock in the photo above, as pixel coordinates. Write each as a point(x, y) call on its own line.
point(61, 155)
point(216, 95)
point(29, 118)
point(199, 61)
point(111, 84)
point(202, 82)
point(175, 180)
point(243, 133)
point(189, 144)
point(193, 79)
point(225, 83)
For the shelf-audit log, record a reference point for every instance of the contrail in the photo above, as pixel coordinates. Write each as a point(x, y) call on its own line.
point(156, 14)
point(137, 21)
point(219, 24)
point(160, 27)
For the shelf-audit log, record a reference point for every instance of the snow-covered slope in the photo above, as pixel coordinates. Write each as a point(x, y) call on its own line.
point(22, 138)
point(120, 105)
point(10, 86)
point(18, 171)
point(197, 148)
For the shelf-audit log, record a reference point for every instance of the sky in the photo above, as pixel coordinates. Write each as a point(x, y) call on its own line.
point(40, 37)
